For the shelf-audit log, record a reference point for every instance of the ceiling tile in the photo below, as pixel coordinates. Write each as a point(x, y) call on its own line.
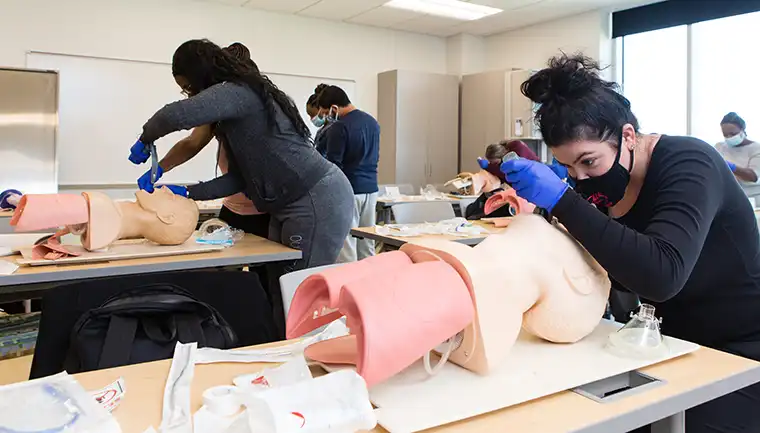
point(384, 17)
point(427, 24)
point(229, 2)
point(341, 9)
point(290, 6)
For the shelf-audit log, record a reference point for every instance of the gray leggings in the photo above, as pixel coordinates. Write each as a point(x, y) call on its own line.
point(316, 224)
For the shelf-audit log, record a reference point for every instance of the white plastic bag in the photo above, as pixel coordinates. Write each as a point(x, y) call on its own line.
point(334, 403)
point(52, 404)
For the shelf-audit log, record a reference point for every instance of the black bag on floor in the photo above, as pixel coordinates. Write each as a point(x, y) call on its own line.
point(144, 324)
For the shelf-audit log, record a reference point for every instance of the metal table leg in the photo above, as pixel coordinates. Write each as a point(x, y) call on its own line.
point(672, 424)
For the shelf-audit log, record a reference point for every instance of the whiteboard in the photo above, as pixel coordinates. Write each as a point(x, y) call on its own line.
point(103, 104)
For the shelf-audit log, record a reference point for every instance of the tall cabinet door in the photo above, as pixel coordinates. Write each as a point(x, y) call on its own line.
point(484, 115)
point(443, 128)
point(412, 114)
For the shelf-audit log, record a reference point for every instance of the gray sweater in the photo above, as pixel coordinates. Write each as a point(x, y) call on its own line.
point(273, 166)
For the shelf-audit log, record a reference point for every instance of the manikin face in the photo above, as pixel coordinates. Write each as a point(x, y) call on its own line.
point(587, 158)
point(173, 218)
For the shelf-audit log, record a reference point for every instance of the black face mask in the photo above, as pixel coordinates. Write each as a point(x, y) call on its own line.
point(608, 189)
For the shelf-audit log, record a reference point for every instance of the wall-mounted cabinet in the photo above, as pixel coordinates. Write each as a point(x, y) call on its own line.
point(418, 114)
point(493, 109)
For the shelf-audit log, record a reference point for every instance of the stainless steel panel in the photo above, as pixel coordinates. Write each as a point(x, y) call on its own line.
point(28, 128)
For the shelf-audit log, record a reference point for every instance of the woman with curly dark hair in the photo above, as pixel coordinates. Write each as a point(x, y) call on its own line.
point(662, 214)
point(268, 146)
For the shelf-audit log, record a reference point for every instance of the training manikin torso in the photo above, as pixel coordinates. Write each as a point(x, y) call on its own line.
point(402, 304)
point(161, 217)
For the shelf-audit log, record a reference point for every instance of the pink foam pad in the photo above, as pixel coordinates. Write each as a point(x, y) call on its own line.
point(322, 291)
point(398, 317)
point(52, 249)
point(507, 198)
point(45, 211)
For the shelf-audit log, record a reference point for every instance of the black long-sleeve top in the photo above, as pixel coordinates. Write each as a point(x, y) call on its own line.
point(689, 245)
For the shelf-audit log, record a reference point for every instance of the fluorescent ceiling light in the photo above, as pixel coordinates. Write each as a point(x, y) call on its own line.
point(456, 9)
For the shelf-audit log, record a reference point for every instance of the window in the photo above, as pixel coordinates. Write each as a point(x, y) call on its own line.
point(683, 80)
point(724, 75)
point(655, 79)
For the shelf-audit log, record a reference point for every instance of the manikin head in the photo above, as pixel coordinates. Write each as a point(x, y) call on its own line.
point(533, 276)
point(167, 218)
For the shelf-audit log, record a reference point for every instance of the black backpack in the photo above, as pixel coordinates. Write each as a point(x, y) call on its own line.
point(144, 324)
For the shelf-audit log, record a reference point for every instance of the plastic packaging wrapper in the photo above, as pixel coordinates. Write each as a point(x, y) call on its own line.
point(335, 403)
point(218, 232)
point(453, 227)
point(52, 404)
point(431, 193)
point(294, 371)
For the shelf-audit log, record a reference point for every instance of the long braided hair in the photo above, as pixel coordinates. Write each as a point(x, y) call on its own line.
point(203, 64)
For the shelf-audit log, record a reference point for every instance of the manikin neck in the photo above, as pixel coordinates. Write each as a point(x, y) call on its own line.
point(134, 219)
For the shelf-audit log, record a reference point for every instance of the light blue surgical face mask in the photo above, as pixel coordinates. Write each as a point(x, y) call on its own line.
point(736, 139)
point(318, 121)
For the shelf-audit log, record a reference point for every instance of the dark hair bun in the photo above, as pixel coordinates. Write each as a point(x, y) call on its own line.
point(320, 88)
point(567, 77)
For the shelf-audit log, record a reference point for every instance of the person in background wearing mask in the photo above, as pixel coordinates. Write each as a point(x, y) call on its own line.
point(662, 214)
point(353, 144)
point(741, 154)
point(321, 122)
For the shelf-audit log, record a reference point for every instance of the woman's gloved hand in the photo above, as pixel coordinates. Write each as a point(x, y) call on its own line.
point(559, 169)
point(731, 166)
point(144, 182)
point(535, 182)
point(139, 153)
point(176, 189)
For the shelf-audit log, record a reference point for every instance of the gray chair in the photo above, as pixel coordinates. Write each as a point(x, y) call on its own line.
point(404, 188)
point(290, 282)
point(429, 211)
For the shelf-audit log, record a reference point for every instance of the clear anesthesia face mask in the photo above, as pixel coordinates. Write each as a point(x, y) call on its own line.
point(640, 338)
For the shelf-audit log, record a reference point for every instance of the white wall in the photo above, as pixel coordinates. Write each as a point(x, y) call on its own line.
point(150, 30)
point(466, 54)
point(531, 47)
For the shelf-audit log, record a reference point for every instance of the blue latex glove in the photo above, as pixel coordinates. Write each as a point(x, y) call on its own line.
point(559, 169)
point(731, 166)
point(144, 182)
point(177, 189)
point(535, 182)
point(483, 163)
point(139, 153)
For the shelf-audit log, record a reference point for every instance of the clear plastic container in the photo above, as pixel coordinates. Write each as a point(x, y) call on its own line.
point(640, 338)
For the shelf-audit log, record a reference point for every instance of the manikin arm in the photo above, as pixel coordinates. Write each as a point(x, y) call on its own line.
point(187, 148)
point(219, 102)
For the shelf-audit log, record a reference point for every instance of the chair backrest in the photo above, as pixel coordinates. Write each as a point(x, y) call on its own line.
point(405, 189)
point(463, 203)
point(431, 211)
point(290, 282)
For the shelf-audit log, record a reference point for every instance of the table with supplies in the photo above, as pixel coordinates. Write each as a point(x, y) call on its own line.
point(687, 381)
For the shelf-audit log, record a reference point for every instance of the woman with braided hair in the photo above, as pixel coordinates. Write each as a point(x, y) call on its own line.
point(270, 156)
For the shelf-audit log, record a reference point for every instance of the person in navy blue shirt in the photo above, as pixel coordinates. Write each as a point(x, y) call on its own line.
point(353, 144)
